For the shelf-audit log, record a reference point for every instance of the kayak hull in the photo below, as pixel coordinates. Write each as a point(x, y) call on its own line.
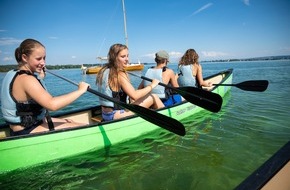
point(33, 149)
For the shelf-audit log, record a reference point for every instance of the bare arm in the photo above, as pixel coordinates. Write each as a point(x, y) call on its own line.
point(126, 85)
point(141, 85)
point(33, 89)
point(173, 79)
point(200, 77)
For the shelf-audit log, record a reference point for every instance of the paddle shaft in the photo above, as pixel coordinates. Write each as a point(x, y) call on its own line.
point(205, 99)
point(154, 117)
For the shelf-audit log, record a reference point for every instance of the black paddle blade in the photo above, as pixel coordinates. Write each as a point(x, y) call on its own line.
point(202, 98)
point(205, 99)
point(156, 118)
point(253, 85)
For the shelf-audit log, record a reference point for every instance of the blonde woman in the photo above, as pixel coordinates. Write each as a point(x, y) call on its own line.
point(113, 81)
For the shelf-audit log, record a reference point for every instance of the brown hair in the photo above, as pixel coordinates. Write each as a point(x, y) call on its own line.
point(189, 57)
point(112, 65)
point(160, 60)
point(26, 47)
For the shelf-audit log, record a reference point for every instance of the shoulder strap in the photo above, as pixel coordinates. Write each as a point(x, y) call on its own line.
point(49, 121)
point(20, 72)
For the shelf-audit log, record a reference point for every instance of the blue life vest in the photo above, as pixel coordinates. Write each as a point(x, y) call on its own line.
point(19, 113)
point(104, 88)
point(156, 74)
point(185, 76)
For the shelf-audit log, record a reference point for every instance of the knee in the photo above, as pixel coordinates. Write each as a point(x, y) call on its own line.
point(154, 96)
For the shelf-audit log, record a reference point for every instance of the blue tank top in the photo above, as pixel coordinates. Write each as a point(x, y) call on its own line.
point(185, 76)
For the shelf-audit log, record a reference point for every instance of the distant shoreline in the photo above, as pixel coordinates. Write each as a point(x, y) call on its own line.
point(267, 58)
point(6, 68)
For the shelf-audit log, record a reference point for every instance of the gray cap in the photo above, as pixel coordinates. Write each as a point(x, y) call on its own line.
point(162, 54)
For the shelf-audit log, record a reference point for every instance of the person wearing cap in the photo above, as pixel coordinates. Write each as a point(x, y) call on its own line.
point(166, 76)
point(190, 71)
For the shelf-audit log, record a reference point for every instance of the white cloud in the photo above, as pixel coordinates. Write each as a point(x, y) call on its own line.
point(53, 38)
point(8, 59)
point(9, 41)
point(212, 54)
point(73, 57)
point(202, 8)
point(284, 50)
point(246, 2)
point(172, 54)
point(149, 55)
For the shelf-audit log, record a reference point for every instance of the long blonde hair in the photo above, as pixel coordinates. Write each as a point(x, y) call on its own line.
point(112, 64)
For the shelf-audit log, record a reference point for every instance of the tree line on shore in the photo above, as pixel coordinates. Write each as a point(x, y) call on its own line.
point(6, 68)
point(266, 58)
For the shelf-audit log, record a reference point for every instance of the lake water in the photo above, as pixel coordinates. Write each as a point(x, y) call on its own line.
point(218, 151)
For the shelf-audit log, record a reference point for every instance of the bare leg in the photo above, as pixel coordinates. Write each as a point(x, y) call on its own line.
point(58, 124)
point(157, 102)
point(150, 101)
point(120, 114)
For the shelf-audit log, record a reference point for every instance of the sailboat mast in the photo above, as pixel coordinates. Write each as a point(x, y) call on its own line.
point(125, 26)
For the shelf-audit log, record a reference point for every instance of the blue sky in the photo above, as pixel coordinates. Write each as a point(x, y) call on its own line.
point(78, 31)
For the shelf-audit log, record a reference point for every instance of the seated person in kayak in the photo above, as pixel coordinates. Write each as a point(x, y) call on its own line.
point(190, 70)
point(113, 81)
point(24, 98)
point(166, 76)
